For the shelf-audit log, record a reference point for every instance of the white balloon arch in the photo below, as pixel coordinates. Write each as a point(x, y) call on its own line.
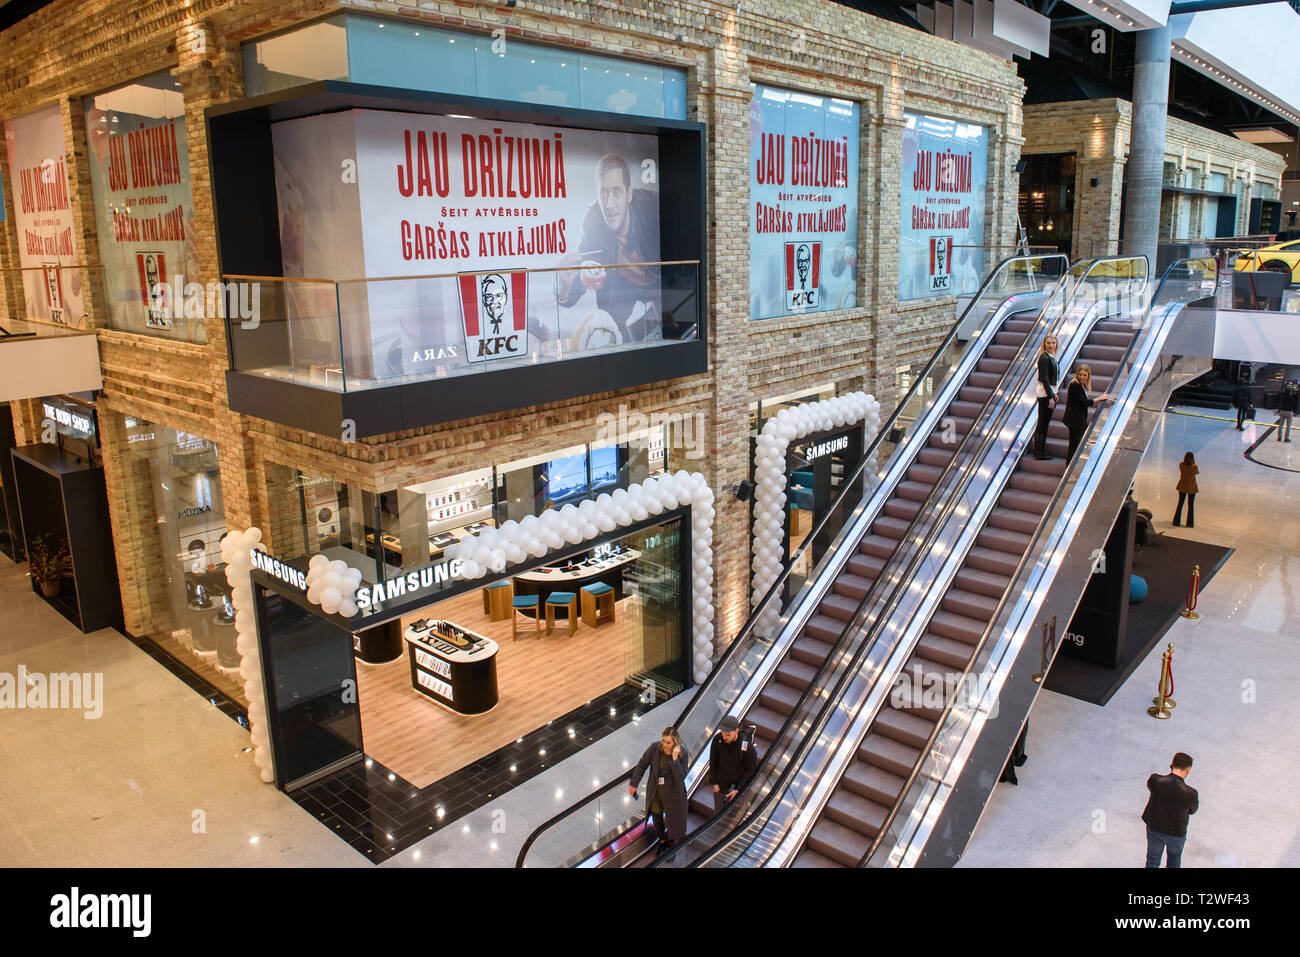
point(772, 446)
point(333, 584)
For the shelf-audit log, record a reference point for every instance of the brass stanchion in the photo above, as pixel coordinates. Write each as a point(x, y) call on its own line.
point(1162, 703)
point(1042, 659)
point(1193, 590)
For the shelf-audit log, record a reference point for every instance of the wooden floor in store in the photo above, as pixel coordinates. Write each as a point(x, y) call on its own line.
point(538, 680)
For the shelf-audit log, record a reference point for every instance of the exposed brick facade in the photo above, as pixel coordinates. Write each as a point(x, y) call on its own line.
point(68, 50)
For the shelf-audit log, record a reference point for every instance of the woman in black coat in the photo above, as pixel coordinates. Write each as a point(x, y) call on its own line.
point(665, 793)
point(1049, 374)
point(1077, 404)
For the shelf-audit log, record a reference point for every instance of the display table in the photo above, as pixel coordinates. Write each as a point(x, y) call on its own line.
point(452, 666)
point(543, 581)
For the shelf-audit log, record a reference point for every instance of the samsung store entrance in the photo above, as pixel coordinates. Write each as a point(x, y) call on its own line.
point(441, 679)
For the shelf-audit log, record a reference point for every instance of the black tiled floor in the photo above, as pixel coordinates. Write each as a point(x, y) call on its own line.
point(363, 807)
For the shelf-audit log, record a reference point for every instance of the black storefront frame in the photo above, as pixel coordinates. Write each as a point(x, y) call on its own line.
point(248, 243)
point(394, 611)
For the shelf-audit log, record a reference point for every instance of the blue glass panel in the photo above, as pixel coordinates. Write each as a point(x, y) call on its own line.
point(527, 74)
point(410, 56)
point(621, 86)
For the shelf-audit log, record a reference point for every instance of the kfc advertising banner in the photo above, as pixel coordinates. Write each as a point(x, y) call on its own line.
point(440, 194)
point(945, 169)
point(803, 194)
point(144, 215)
point(43, 218)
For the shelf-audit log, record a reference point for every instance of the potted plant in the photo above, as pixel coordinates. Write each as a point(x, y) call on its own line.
point(49, 566)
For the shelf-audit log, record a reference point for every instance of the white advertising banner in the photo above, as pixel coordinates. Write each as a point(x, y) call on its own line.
point(144, 214)
point(941, 231)
point(442, 194)
point(43, 218)
point(803, 195)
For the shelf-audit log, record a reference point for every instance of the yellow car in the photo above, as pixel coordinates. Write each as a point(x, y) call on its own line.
point(1280, 257)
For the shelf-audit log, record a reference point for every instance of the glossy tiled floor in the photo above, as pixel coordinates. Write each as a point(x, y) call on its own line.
point(1236, 671)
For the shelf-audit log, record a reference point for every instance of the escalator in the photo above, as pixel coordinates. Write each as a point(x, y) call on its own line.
point(765, 678)
point(874, 780)
point(896, 765)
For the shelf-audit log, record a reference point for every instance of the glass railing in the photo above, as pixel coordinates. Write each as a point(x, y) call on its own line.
point(936, 269)
point(761, 822)
point(349, 335)
point(966, 713)
point(590, 825)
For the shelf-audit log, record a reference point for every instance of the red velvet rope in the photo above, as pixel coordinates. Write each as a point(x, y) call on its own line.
point(1169, 673)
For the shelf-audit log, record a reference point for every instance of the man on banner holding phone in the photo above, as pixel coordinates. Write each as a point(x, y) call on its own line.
point(620, 227)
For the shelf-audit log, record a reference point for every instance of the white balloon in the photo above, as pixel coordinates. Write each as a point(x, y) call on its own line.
point(318, 561)
point(470, 569)
point(348, 608)
point(254, 535)
point(330, 596)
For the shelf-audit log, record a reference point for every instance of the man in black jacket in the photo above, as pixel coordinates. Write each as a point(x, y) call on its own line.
point(1241, 399)
point(731, 761)
point(1172, 801)
point(1287, 403)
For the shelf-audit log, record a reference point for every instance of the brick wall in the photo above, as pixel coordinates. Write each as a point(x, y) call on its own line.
point(68, 50)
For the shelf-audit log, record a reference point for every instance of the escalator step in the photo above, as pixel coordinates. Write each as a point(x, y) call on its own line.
point(854, 811)
point(841, 844)
point(1002, 540)
point(932, 456)
point(809, 858)
point(1035, 482)
point(902, 727)
point(1033, 503)
point(1012, 520)
point(810, 649)
point(913, 491)
point(797, 674)
point(766, 721)
point(824, 629)
point(970, 604)
point(873, 782)
point(984, 582)
point(1101, 352)
point(1002, 351)
point(838, 607)
point(946, 650)
point(853, 586)
point(1054, 468)
point(959, 627)
point(903, 508)
point(889, 527)
point(993, 561)
point(925, 475)
point(996, 366)
point(877, 546)
point(888, 754)
point(965, 410)
point(866, 567)
point(779, 697)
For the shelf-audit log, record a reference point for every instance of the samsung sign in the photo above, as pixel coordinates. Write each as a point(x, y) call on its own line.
point(837, 444)
point(412, 583)
point(278, 569)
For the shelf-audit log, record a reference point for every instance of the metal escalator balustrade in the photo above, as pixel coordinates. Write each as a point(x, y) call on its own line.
point(1050, 579)
point(609, 814)
point(741, 848)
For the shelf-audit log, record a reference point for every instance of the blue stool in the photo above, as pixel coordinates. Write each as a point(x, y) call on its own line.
point(566, 600)
point(596, 599)
point(522, 603)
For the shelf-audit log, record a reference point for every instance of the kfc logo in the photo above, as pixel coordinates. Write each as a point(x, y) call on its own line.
point(495, 308)
point(54, 292)
point(152, 269)
point(802, 275)
point(940, 263)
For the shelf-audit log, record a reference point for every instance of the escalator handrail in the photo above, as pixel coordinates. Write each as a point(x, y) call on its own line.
point(1070, 469)
point(850, 671)
point(845, 488)
point(903, 582)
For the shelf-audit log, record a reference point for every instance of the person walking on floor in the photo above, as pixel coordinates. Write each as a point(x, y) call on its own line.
point(1077, 404)
point(1187, 472)
point(1049, 374)
point(1172, 801)
point(731, 760)
point(1241, 399)
point(1286, 408)
point(665, 792)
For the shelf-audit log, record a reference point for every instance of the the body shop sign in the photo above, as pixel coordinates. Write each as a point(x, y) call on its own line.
point(43, 218)
point(433, 195)
point(803, 194)
point(944, 174)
